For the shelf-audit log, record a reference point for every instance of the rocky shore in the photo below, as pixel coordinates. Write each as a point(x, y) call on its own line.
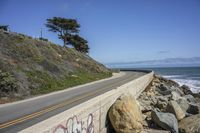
point(164, 107)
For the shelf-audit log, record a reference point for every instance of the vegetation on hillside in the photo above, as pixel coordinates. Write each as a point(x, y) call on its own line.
point(8, 84)
point(33, 66)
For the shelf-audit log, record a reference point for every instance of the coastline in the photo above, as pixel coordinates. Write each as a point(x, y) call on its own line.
point(192, 84)
point(167, 96)
point(163, 107)
point(189, 76)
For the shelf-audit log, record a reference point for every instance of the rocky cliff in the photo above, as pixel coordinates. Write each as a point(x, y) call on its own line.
point(31, 66)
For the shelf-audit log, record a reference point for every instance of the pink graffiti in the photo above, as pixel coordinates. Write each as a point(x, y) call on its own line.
point(75, 126)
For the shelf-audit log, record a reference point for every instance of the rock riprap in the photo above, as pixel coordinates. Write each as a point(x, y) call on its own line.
point(165, 107)
point(165, 120)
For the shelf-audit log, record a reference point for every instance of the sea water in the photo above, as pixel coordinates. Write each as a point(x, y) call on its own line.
point(189, 76)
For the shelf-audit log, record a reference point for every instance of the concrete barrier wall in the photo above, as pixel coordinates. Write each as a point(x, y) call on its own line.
point(90, 116)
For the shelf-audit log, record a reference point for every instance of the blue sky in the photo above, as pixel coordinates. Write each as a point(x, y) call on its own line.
point(117, 31)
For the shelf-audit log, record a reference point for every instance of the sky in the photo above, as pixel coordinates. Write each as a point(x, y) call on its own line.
point(118, 31)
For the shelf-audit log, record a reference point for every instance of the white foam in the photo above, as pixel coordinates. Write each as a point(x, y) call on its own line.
point(192, 83)
point(172, 76)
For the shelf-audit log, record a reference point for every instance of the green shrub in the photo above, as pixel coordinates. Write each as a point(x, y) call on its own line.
point(43, 39)
point(8, 84)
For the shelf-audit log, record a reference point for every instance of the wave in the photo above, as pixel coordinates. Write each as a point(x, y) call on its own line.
point(173, 76)
point(181, 80)
point(193, 84)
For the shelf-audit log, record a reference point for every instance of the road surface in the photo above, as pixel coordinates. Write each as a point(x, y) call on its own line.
point(20, 115)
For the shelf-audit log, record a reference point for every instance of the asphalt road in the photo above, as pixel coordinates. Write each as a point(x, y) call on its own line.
point(20, 115)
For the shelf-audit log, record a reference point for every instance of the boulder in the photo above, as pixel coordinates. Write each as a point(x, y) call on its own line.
point(161, 105)
point(125, 115)
point(190, 98)
point(174, 108)
point(193, 109)
point(178, 90)
point(175, 95)
point(162, 98)
point(188, 107)
point(165, 120)
point(167, 92)
point(173, 83)
point(164, 87)
point(190, 124)
point(186, 89)
point(183, 103)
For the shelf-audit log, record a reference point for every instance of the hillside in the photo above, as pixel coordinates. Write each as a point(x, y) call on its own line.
point(31, 67)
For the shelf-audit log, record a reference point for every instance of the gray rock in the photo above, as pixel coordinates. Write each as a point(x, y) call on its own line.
point(162, 98)
point(178, 90)
point(173, 83)
point(161, 105)
point(174, 108)
point(190, 98)
point(175, 95)
point(183, 103)
point(165, 120)
point(167, 92)
point(168, 96)
point(188, 107)
point(186, 89)
point(193, 109)
point(163, 87)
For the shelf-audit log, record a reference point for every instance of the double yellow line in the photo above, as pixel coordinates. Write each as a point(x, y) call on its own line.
point(51, 108)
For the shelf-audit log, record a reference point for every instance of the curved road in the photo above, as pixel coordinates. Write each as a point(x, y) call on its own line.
point(20, 115)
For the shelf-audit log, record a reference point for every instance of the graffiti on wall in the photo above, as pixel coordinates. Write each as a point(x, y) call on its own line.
point(73, 125)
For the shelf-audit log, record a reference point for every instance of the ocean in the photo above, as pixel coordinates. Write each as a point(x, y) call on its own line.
point(189, 76)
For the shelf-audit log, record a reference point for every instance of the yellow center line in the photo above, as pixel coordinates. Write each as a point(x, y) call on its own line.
point(54, 107)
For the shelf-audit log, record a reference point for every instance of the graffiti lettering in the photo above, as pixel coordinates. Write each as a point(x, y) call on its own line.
point(75, 126)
